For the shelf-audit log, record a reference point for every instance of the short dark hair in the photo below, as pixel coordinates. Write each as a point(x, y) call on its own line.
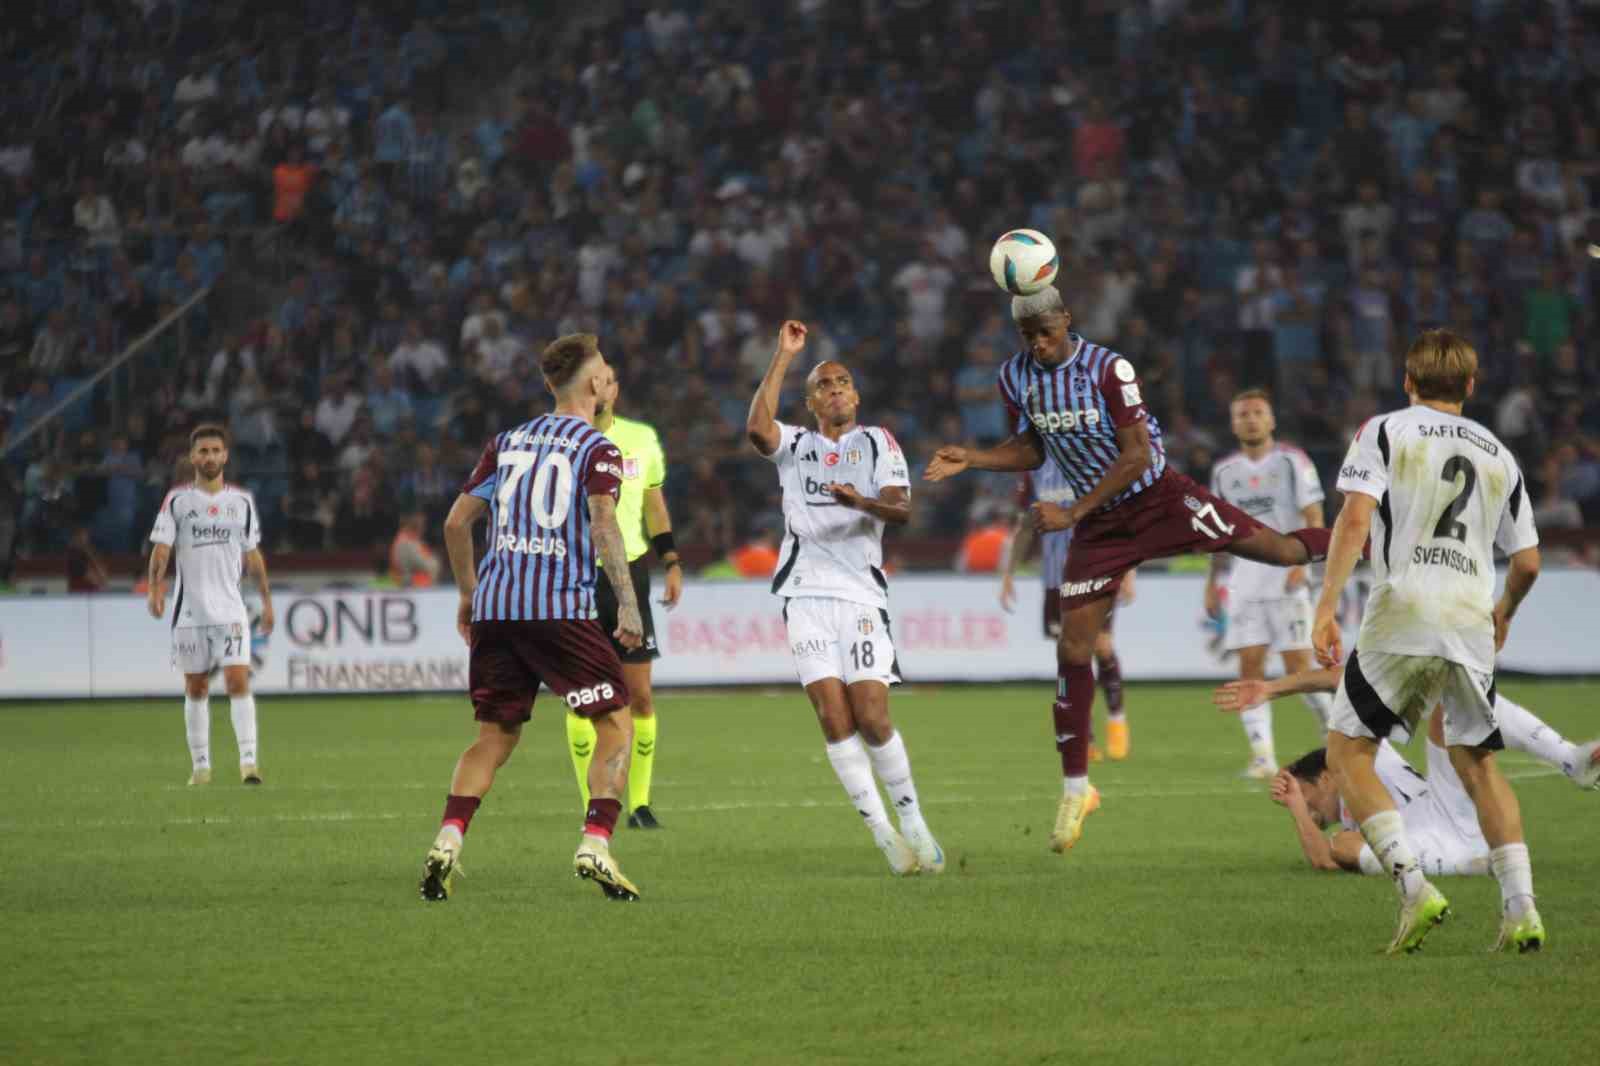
point(208, 429)
point(564, 356)
point(1251, 394)
point(1310, 766)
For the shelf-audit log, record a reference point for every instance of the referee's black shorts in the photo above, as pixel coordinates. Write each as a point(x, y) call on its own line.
point(606, 600)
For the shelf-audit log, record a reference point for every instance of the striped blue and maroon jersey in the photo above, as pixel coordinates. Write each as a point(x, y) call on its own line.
point(537, 479)
point(1077, 408)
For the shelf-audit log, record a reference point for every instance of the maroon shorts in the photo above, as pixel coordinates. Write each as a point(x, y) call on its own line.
point(573, 657)
point(1052, 613)
point(1171, 517)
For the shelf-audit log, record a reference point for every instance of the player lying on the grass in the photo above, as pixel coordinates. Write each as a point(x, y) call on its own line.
point(1048, 486)
point(1269, 609)
point(1437, 494)
point(211, 529)
point(842, 482)
point(1440, 819)
point(549, 488)
point(1080, 407)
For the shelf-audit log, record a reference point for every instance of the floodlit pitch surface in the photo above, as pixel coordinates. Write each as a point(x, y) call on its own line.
point(145, 922)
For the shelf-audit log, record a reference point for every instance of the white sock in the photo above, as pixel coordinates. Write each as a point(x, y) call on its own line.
point(850, 762)
point(1321, 704)
point(197, 723)
point(1514, 870)
point(1074, 786)
point(893, 767)
point(1525, 731)
point(1385, 834)
point(1257, 722)
point(244, 727)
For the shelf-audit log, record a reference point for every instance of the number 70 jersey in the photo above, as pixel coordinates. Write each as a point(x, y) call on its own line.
point(1449, 493)
point(540, 557)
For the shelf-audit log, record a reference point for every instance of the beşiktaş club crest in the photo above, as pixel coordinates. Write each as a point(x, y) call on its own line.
point(1192, 503)
point(853, 455)
point(865, 625)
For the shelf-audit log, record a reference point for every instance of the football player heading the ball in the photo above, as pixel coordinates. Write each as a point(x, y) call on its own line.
point(1081, 408)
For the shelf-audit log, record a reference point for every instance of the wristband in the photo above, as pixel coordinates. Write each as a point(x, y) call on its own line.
point(663, 543)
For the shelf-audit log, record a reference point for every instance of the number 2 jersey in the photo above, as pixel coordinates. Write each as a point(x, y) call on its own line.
point(830, 549)
point(1449, 492)
point(209, 534)
point(540, 557)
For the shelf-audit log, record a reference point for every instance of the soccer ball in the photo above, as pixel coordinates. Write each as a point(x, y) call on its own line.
point(1023, 261)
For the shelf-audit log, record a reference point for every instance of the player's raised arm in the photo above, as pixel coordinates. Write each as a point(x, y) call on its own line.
point(1021, 451)
point(761, 425)
point(1238, 695)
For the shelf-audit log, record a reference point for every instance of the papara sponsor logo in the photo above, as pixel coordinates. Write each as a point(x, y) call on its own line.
point(1084, 588)
point(588, 697)
point(1256, 504)
point(507, 542)
point(1059, 421)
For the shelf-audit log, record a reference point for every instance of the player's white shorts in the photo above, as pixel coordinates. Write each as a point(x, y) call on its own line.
point(1441, 825)
point(1385, 695)
point(201, 649)
point(1282, 624)
point(837, 638)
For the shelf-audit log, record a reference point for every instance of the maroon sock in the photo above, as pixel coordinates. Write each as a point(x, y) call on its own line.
point(601, 818)
point(458, 811)
point(1315, 540)
point(1074, 725)
point(1111, 681)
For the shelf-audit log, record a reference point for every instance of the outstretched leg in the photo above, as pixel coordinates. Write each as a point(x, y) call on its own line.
point(1296, 548)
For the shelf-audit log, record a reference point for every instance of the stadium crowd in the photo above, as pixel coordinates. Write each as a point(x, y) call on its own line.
point(1240, 197)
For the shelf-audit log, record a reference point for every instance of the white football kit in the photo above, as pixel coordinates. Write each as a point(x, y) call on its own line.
point(1274, 491)
point(1449, 492)
point(209, 536)
point(830, 567)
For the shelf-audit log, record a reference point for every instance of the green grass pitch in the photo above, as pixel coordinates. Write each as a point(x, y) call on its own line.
point(149, 923)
